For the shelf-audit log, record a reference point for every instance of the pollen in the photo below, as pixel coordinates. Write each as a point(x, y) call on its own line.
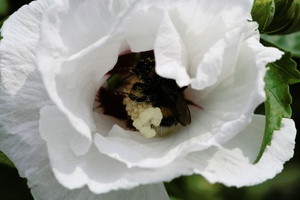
point(145, 117)
point(147, 120)
point(133, 108)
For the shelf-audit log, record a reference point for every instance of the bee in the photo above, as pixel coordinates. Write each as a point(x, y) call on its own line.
point(160, 92)
point(133, 86)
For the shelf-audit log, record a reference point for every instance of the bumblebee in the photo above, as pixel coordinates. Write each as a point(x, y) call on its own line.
point(136, 87)
point(160, 92)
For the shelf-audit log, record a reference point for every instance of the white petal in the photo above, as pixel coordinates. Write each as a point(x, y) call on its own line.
point(22, 92)
point(209, 21)
point(232, 164)
point(219, 59)
point(141, 37)
point(17, 48)
point(228, 107)
point(212, 34)
point(72, 80)
point(94, 169)
point(53, 190)
point(170, 53)
point(90, 20)
point(29, 153)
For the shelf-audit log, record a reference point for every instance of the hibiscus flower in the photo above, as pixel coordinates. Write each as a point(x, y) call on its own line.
point(57, 55)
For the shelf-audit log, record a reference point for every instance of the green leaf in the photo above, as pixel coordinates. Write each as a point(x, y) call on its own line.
point(280, 75)
point(5, 161)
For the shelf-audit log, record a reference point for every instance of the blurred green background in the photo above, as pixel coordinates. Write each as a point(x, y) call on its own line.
point(285, 186)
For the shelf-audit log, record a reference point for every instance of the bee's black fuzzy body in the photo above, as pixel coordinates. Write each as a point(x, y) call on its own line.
point(160, 92)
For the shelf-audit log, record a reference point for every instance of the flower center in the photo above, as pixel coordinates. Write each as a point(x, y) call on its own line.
point(151, 104)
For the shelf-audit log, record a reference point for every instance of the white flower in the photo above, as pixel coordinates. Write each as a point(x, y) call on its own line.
point(61, 144)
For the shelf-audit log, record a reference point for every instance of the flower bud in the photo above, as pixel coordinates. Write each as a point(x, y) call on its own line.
point(286, 18)
point(263, 12)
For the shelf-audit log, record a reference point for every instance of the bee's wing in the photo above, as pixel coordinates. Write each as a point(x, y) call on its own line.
point(178, 105)
point(182, 113)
